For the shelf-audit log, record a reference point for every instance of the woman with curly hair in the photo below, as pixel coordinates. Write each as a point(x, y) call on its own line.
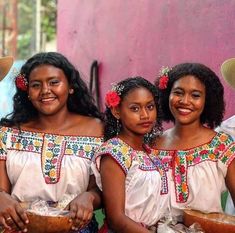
point(47, 144)
point(199, 162)
point(126, 171)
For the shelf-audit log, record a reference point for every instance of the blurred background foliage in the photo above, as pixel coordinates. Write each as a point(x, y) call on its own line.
point(27, 13)
point(27, 27)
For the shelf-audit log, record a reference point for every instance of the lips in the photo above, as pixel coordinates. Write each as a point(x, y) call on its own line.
point(146, 124)
point(48, 99)
point(184, 111)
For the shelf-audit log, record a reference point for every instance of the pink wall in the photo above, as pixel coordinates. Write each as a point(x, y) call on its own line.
point(133, 37)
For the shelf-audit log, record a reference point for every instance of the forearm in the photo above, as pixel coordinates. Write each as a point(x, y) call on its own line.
point(123, 224)
point(95, 196)
point(5, 184)
point(94, 192)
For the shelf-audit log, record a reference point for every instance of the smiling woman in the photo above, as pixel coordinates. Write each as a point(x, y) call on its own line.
point(199, 162)
point(47, 144)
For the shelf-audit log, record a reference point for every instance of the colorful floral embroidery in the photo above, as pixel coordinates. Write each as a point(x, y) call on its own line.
point(124, 155)
point(115, 147)
point(180, 174)
point(221, 148)
point(50, 147)
point(161, 169)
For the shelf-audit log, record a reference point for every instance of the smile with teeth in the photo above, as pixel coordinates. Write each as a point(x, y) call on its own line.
point(184, 110)
point(46, 100)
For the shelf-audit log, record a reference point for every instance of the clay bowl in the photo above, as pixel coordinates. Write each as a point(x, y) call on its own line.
point(212, 222)
point(48, 224)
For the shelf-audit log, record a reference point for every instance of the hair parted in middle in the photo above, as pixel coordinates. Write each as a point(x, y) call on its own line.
point(80, 101)
point(213, 111)
point(121, 89)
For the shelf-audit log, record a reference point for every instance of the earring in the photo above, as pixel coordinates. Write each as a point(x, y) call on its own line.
point(71, 91)
point(28, 97)
point(118, 127)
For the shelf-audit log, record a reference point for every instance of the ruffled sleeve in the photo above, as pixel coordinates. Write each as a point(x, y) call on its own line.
point(118, 150)
point(225, 151)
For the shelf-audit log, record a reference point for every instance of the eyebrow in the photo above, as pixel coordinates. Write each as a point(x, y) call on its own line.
point(182, 89)
point(48, 78)
point(151, 101)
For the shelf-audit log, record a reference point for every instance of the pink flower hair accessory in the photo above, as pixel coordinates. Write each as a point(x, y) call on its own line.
point(163, 78)
point(21, 82)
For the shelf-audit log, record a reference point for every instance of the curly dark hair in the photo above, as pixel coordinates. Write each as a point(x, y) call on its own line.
point(80, 101)
point(213, 111)
point(111, 128)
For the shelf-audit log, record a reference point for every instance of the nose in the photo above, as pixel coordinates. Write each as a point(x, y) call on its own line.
point(144, 113)
point(45, 88)
point(184, 99)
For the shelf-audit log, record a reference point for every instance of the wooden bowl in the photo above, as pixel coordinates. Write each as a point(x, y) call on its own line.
point(212, 222)
point(48, 224)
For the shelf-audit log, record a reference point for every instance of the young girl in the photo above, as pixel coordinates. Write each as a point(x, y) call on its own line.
point(129, 176)
point(199, 161)
point(47, 143)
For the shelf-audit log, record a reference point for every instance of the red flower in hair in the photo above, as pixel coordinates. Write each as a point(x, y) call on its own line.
point(112, 99)
point(163, 78)
point(163, 81)
point(21, 82)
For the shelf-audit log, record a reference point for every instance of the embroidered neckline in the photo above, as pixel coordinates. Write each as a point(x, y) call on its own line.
point(15, 130)
point(145, 147)
point(222, 148)
point(50, 148)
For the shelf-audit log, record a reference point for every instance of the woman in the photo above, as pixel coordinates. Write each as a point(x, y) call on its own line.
point(125, 170)
point(47, 143)
point(199, 162)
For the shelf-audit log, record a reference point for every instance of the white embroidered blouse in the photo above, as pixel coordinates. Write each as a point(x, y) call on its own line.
point(196, 177)
point(145, 198)
point(46, 166)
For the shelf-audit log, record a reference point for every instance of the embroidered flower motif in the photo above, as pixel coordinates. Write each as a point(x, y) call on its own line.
point(112, 99)
point(181, 197)
point(221, 147)
point(163, 78)
point(21, 82)
point(182, 169)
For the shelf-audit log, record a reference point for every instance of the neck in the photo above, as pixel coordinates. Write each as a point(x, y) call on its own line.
point(55, 123)
point(135, 141)
point(187, 131)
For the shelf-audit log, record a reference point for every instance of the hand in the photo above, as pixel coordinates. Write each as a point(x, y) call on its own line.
point(12, 215)
point(81, 210)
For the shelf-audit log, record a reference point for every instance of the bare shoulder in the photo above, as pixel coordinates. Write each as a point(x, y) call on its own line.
point(90, 126)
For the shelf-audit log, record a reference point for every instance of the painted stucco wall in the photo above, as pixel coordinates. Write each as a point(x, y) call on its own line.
point(138, 37)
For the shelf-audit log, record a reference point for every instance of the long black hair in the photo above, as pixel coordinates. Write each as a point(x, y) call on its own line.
point(213, 111)
point(80, 101)
point(112, 127)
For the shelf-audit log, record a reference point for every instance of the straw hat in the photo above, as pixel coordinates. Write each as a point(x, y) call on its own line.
point(5, 66)
point(228, 71)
